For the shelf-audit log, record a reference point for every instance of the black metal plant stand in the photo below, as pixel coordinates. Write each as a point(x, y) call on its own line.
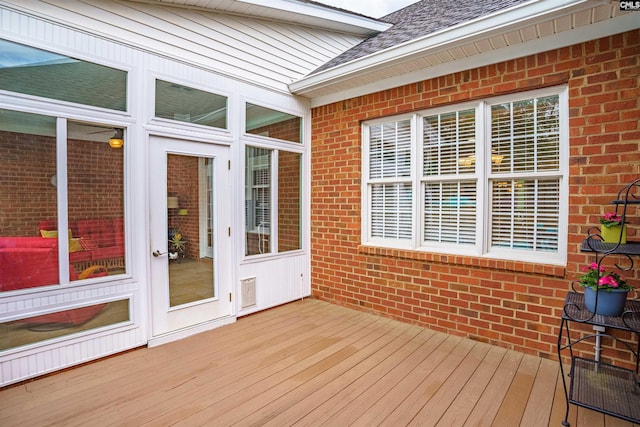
point(591, 383)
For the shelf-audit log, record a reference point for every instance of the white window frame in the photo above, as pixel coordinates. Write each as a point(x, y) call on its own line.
point(477, 176)
point(483, 175)
point(367, 183)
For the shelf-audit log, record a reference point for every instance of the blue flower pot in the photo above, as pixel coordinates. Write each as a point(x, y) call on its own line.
point(609, 303)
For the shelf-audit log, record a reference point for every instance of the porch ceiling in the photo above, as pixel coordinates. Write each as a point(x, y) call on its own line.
point(512, 33)
point(308, 362)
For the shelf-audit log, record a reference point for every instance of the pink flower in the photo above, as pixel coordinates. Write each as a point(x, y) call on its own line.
point(608, 281)
point(611, 216)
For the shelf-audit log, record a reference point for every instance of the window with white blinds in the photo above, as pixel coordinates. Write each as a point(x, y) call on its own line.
point(449, 179)
point(485, 179)
point(390, 186)
point(525, 185)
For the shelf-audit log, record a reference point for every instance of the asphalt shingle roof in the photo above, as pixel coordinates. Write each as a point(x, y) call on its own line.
point(420, 19)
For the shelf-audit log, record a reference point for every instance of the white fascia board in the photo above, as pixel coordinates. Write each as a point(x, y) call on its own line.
point(321, 12)
point(628, 22)
point(496, 23)
point(294, 11)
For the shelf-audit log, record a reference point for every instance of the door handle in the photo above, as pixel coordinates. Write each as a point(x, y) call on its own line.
point(157, 253)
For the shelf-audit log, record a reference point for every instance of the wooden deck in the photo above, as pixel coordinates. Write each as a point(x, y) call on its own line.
point(305, 363)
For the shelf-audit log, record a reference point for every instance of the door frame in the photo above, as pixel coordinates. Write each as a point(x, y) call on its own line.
point(159, 147)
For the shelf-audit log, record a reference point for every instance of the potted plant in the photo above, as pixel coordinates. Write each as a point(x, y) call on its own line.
point(176, 245)
point(612, 230)
point(604, 293)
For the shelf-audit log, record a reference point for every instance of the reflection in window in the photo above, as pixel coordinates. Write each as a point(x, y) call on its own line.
point(273, 124)
point(289, 201)
point(258, 201)
point(186, 104)
point(32, 71)
point(53, 325)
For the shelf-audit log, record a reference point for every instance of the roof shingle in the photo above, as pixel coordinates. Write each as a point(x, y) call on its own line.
point(417, 20)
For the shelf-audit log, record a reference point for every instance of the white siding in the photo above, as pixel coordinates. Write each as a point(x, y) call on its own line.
point(268, 53)
point(277, 281)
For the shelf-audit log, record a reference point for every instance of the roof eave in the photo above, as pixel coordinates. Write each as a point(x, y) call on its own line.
point(499, 22)
point(316, 15)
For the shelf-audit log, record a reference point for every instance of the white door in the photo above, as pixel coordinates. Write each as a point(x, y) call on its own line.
point(190, 219)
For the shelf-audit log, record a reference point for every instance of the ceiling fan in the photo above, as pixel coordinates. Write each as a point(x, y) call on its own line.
point(116, 141)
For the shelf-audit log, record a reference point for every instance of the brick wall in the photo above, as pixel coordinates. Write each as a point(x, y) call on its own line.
point(95, 182)
point(511, 304)
point(26, 194)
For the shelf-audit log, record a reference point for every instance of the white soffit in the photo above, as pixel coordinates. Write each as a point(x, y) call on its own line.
point(298, 12)
point(531, 28)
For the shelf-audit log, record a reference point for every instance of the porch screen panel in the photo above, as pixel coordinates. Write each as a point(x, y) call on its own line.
point(95, 186)
point(190, 105)
point(525, 185)
point(258, 201)
point(289, 201)
point(28, 191)
point(30, 330)
point(37, 72)
point(390, 186)
point(450, 187)
point(270, 123)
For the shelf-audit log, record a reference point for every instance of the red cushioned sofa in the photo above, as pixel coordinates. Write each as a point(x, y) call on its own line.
point(99, 239)
point(28, 262)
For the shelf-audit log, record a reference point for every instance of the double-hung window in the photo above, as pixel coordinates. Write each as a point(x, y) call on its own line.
point(390, 182)
point(486, 178)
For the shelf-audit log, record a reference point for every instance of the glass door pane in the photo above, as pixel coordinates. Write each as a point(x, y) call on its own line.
point(189, 187)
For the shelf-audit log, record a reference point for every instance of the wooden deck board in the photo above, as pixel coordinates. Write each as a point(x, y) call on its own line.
point(540, 400)
point(307, 363)
point(489, 403)
point(514, 404)
point(437, 405)
point(470, 395)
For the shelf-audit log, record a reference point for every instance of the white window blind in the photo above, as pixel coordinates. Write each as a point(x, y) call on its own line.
point(525, 204)
point(450, 212)
point(390, 150)
point(449, 160)
point(449, 143)
point(391, 211)
point(390, 186)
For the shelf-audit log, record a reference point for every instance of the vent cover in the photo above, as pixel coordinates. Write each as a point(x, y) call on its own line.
point(248, 292)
